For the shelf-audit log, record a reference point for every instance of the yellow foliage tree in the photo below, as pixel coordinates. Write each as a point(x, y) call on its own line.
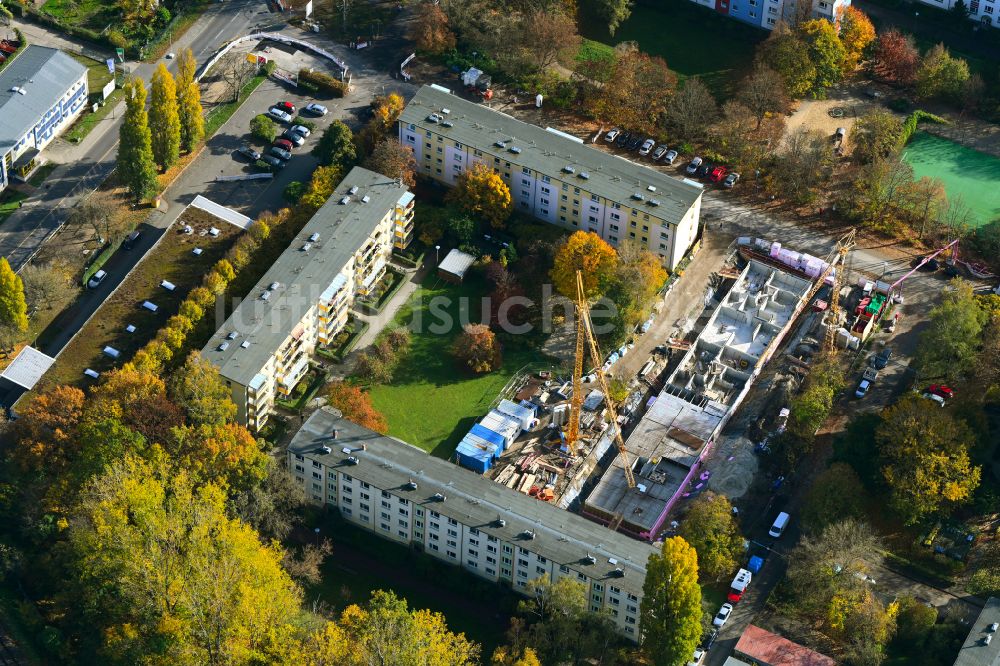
point(45, 429)
point(671, 605)
point(479, 191)
point(587, 252)
point(856, 33)
point(322, 184)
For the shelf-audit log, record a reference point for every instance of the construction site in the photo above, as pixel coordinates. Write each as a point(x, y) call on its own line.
point(629, 465)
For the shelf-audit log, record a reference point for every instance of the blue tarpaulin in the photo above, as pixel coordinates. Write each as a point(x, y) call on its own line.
point(485, 433)
point(476, 454)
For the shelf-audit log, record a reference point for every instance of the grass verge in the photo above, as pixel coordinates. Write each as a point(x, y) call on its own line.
point(88, 121)
point(10, 201)
point(41, 173)
point(218, 116)
point(98, 75)
point(450, 399)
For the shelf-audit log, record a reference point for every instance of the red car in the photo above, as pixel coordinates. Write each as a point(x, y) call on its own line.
point(941, 390)
point(734, 596)
point(284, 144)
point(717, 174)
point(286, 106)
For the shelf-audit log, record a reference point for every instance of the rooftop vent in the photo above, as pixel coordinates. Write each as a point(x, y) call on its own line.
point(345, 200)
point(353, 190)
point(500, 144)
point(365, 199)
point(433, 118)
point(569, 169)
point(528, 534)
point(446, 111)
point(590, 559)
point(352, 460)
point(223, 346)
point(987, 639)
point(313, 237)
point(18, 90)
point(265, 296)
point(307, 247)
point(232, 335)
point(411, 485)
point(584, 175)
point(619, 573)
point(638, 196)
point(438, 497)
point(654, 202)
point(273, 286)
point(500, 522)
point(245, 344)
point(325, 449)
point(651, 188)
point(993, 627)
point(515, 150)
point(447, 123)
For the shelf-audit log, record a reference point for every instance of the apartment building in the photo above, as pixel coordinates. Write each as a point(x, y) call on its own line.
point(553, 176)
point(402, 494)
point(985, 12)
point(264, 348)
point(42, 91)
point(767, 13)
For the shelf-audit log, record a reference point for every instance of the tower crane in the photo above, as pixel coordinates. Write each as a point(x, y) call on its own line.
point(585, 340)
point(844, 245)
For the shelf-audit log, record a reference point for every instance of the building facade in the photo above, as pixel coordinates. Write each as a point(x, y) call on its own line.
point(767, 13)
point(402, 494)
point(553, 176)
point(265, 347)
point(986, 12)
point(42, 91)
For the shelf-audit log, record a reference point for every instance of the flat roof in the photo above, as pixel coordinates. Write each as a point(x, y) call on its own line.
point(27, 367)
point(44, 74)
point(389, 464)
point(457, 263)
point(301, 276)
point(771, 649)
point(974, 652)
point(607, 175)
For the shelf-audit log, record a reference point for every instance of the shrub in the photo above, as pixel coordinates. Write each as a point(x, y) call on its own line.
point(263, 129)
point(269, 67)
point(201, 297)
point(224, 270)
point(308, 88)
point(323, 81)
point(294, 191)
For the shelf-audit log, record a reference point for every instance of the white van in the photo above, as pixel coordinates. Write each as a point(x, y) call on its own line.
point(780, 523)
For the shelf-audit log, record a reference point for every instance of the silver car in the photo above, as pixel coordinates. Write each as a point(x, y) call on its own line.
point(692, 167)
point(280, 152)
point(316, 109)
point(301, 129)
point(280, 115)
point(647, 146)
point(294, 137)
point(670, 157)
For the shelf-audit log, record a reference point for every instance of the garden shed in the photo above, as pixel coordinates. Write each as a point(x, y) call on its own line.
point(455, 266)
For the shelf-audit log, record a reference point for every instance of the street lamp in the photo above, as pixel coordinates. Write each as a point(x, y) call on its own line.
point(316, 530)
point(437, 254)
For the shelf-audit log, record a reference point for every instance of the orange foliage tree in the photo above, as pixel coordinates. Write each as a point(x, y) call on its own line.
point(477, 348)
point(46, 427)
point(587, 252)
point(356, 406)
point(856, 33)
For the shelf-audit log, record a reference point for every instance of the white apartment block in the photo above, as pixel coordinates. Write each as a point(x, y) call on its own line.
point(265, 347)
point(767, 13)
point(985, 12)
point(402, 494)
point(553, 176)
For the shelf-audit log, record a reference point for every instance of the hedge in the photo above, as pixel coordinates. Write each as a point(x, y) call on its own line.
point(100, 259)
point(324, 82)
point(913, 120)
point(74, 30)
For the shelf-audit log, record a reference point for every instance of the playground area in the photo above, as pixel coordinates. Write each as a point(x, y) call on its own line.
point(966, 173)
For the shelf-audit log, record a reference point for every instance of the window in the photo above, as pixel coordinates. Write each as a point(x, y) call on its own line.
point(404, 512)
point(522, 574)
point(563, 568)
point(473, 552)
point(386, 516)
point(473, 542)
point(506, 548)
point(614, 227)
point(505, 572)
point(452, 554)
point(300, 468)
point(614, 590)
point(491, 571)
point(614, 601)
point(581, 576)
point(663, 246)
point(298, 457)
point(491, 560)
point(386, 505)
point(506, 560)
point(346, 512)
point(435, 514)
point(629, 620)
point(525, 181)
point(545, 190)
point(365, 496)
point(452, 543)
point(546, 179)
point(630, 608)
point(364, 507)
point(317, 475)
point(384, 526)
point(346, 500)
point(491, 539)
point(433, 537)
point(472, 564)
point(632, 597)
point(453, 533)
point(403, 523)
point(521, 562)
point(317, 486)
point(540, 570)
point(526, 170)
point(544, 201)
point(434, 547)
point(402, 534)
point(404, 502)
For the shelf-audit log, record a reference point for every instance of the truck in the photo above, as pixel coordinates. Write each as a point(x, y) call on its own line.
point(475, 80)
point(739, 585)
point(867, 379)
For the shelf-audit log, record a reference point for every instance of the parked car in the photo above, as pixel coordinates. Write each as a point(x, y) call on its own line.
point(634, 142)
point(612, 134)
point(296, 138)
point(670, 157)
point(693, 166)
point(97, 279)
point(709, 639)
point(723, 615)
point(698, 658)
point(659, 153)
point(280, 152)
point(132, 239)
point(935, 398)
point(646, 147)
point(249, 153)
point(881, 359)
point(941, 390)
point(279, 115)
point(704, 169)
point(316, 109)
point(301, 130)
point(287, 107)
point(274, 162)
point(284, 144)
point(717, 174)
point(867, 379)
point(623, 139)
point(731, 180)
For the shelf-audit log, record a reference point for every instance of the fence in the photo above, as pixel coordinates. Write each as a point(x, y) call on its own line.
point(274, 37)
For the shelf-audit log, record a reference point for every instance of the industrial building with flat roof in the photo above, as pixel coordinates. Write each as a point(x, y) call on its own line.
point(264, 348)
point(402, 494)
point(982, 646)
point(42, 90)
point(711, 380)
point(552, 175)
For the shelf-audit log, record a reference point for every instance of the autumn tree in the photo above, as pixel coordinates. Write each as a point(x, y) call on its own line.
point(138, 399)
point(879, 193)
point(940, 75)
point(615, 12)
point(321, 186)
point(691, 110)
point(13, 307)
point(477, 348)
point(950, 342)
point(826, 52)
point(189, 110)
point(46, 428)
point(481, 193)
point(235, 72)
point(504, 656)
point(635, 92)
point(876, 135)
point(804, 164)
point(670, 611)
point(763, 92)
point(385, 113)
point(587, 252)
point(926, 200)
point(46, 285)
point(788, 54)
point(159, 568)
point(430, 31)
point(710, 528)
point(836, 494)
point(336, 146)
point(164, 119)
point(631, 290)
point(393, 159)
point(924, 455)
point(135, 148)
point(896, 58)
point(356, 406)
point(856, 34)
point(200, 391)
point(223, 453)
point(551, 36)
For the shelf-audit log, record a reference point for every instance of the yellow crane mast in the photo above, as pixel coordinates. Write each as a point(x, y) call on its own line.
point(844, 245)
point(585, 335)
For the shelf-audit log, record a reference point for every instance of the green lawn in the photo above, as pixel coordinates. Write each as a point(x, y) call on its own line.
point(41, 173)
point(431, 402)
point(93, 14)
point(10, 201)
point(695, 41)
point(97, 72)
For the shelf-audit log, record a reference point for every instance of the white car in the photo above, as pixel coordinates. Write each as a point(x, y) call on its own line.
point(647, 146)
point(97, 279)
point(929, 396)
point(723, 615)
point(698, 658)
point(302, 130)
point(294, 137)
point(316, 109)
point(670, 157)
point(280, 115)
point(612, 134)
point(692, 167)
